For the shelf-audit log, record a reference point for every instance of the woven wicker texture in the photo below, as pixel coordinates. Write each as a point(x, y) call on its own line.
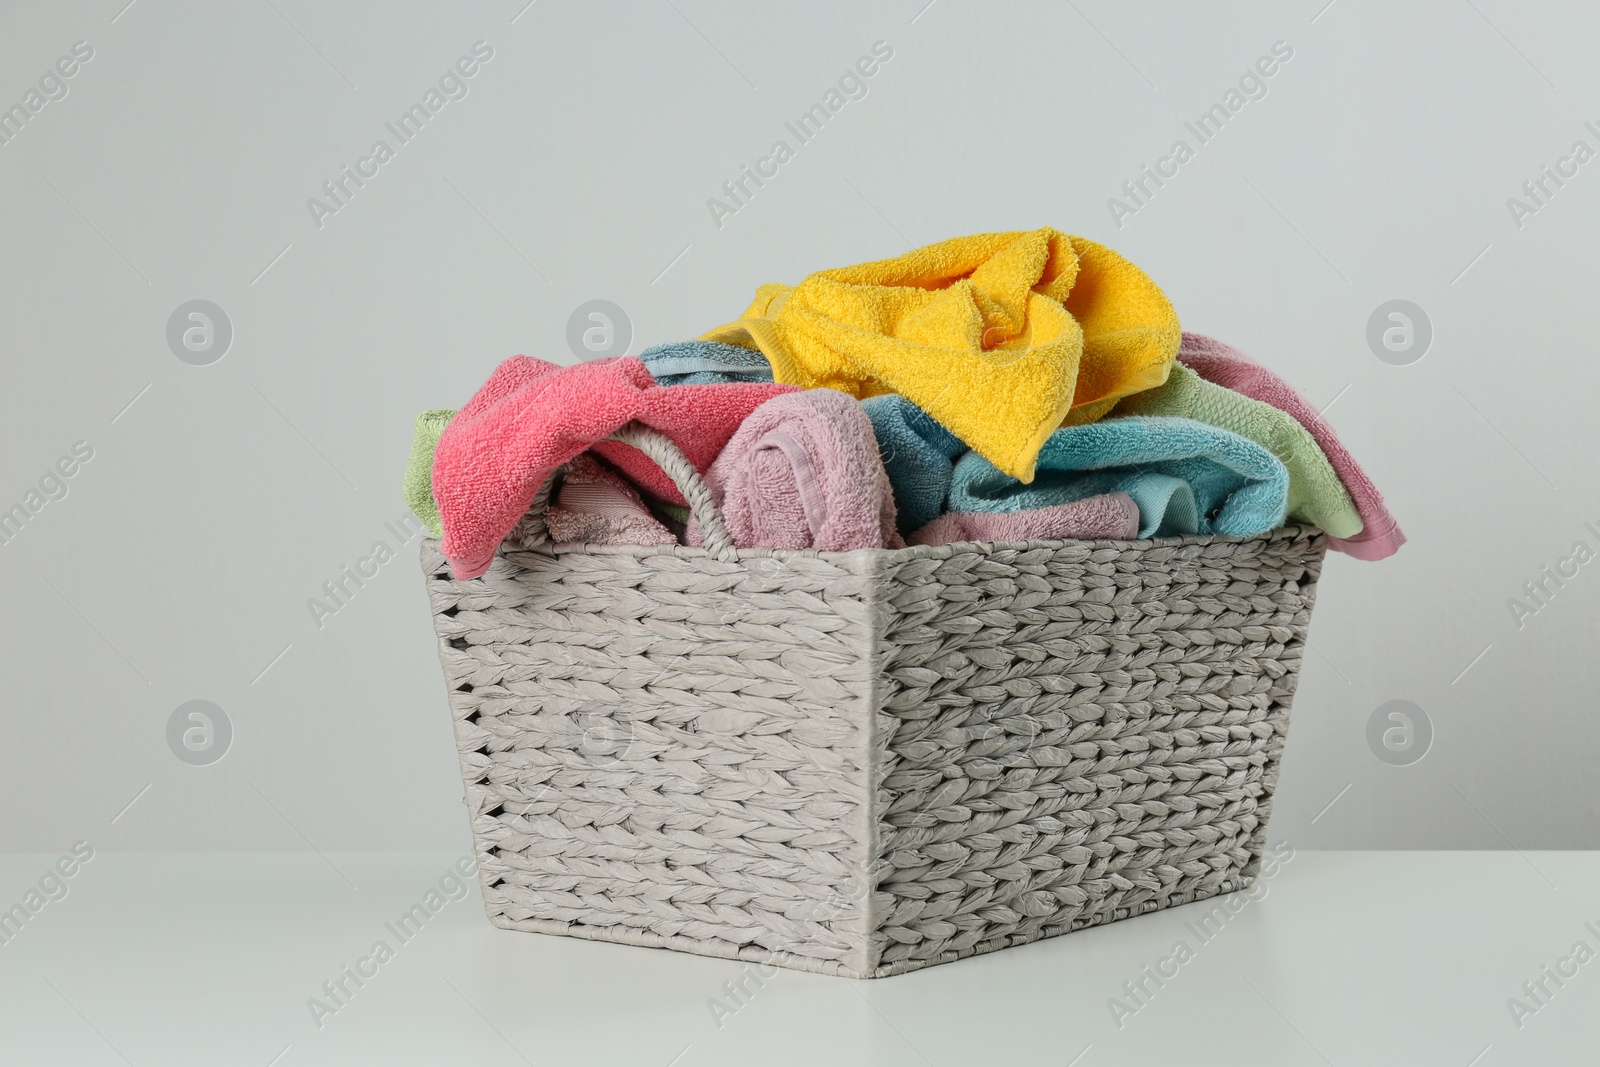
point(864, 763)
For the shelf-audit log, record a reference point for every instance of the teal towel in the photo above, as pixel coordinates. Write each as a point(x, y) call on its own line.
point(1186, 477)
point(919, 455)
point(705, 363)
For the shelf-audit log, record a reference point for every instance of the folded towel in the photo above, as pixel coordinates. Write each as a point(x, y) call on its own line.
point(417, 487)
point(531, 417)
point(803, 472)
point(1316, 496)
point(598, 506)
point(704, 363)
point(1187, 477)
point(997, 336)
point(1109, 517)
point(918, 454)
point(1380, 535)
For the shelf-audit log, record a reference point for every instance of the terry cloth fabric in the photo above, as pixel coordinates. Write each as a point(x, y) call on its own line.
point(803, 472)
point(1316, 496)
point(675, 517)
point(1186, 477)
point(417, 487)
point(1110, 517)
point(597, 506)
point(705, 363)
point(918, 455)
point(1380, 535)
point(997, 336)
point(531, 417)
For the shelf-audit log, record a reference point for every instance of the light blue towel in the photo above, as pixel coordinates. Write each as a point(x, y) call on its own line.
point(919, 455)
point(705, 363)
point(1185, 476)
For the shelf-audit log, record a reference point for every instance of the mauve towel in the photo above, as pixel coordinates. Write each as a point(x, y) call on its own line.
point(803, 472)
point(1108, 517)
point(598, 506)
point(531, 417)
point(1225, 365)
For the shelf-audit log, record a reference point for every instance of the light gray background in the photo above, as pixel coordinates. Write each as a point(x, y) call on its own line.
point(578, 167)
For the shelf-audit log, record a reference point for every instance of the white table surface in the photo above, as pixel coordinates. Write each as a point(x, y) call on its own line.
point(1404, 958)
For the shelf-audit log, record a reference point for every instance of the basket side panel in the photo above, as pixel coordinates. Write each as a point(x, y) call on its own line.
point(1071, 735)
point(663, 749)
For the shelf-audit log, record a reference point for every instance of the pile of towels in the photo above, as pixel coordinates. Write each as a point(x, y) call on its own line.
point(1002, 387)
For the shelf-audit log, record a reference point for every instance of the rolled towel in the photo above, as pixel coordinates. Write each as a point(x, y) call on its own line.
point(1225, 365)
point(803, 472)
point(1316, 496)
point(1186, 477)
point(598, 506)
point(705, 363)
point(532, 417)
point(1108, 517)
point(918, 454)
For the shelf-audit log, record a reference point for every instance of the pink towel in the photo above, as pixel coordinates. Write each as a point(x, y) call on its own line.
point(530, 417)
point(598, 506)
point(1109, 517)
point(1225, 365)
point(803, 472)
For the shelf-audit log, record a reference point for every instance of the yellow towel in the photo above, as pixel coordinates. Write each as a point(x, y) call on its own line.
point(1000, 337)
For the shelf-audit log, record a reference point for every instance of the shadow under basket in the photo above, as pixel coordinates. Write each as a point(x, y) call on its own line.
point(869, 762)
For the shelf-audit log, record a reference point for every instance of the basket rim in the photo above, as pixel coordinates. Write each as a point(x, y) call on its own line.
point(874, 556)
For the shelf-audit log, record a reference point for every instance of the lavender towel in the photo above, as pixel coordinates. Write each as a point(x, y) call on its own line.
point(598, 506)
point(1109, 517)
point(803, 472)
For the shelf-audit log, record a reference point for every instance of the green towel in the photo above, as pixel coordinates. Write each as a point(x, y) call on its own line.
point(1316, 496)
point(418, 485)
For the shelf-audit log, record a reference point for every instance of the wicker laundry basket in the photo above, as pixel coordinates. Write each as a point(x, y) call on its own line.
point(865, 763)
